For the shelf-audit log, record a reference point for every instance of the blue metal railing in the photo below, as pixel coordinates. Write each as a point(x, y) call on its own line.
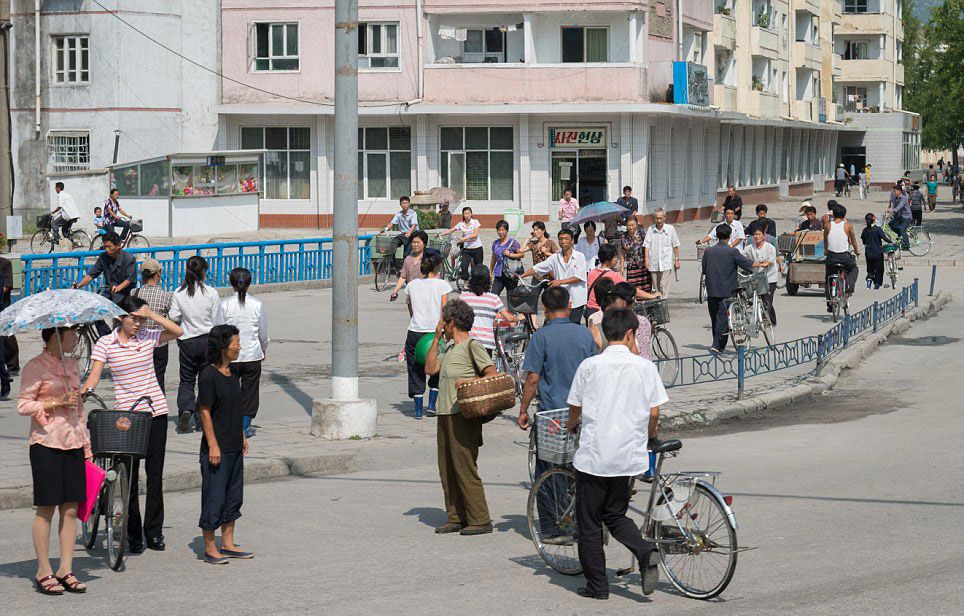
point(269, 262)
point(696, 369)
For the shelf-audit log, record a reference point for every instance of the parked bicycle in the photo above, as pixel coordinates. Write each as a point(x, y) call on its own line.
point(42, 241)
point(386, 260)
point(133, 239)
point(689, 520)
point(117, 438)
point(747, 315)
point(662, 343)
point(836, 282)
point(700, 249)
point(451, 268)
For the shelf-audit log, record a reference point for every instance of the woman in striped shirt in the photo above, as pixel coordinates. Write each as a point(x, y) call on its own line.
point(129, 352)
point(486, 306)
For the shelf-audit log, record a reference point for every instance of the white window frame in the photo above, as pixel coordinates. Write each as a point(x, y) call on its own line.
point(287, 151)
point(272, 56)
point(475, 57)
point(584, 28)
point(855, 46)
point(68, 150)
point(446, 181)
point(855, 7)
point(79, 44)
point(387, 154)
point(365, 59)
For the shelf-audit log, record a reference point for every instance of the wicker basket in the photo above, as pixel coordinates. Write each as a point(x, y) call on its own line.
point(486, 396)
point(137, 226)
point(119, 432)
point(383, 244)
point(43, 222)
point(657, 311)
point(524, 299)
point(439, 244)
point(554, 443)
point(787, 243)
point(756, 281)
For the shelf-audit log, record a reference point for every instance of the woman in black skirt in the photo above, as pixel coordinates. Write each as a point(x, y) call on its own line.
point(58, 447)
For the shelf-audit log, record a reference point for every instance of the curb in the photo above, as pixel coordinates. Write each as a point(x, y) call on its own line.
point(184, 479)
point(850, 358)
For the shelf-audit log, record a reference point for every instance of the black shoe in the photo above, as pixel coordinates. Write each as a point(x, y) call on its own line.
point(649, 570)
point(156, 544)
point(5, 391)
point(585, 592)
point(14, 372)
point(182, 421)
point(135, 547)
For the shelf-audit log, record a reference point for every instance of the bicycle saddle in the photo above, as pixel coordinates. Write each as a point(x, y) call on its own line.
point(657, 446)
point(515, 337)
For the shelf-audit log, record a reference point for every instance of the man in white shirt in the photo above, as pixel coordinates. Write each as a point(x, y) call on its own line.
point(407, 221)
point(662, 252)
point(616, 396)
point(65, 214)
point(737, 233)
point(569, 270)
point(764, 257)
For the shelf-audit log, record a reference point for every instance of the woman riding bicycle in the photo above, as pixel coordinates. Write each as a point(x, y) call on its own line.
point(112, 215)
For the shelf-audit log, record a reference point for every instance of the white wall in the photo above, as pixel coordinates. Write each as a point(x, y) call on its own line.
point(155, 212)
point(225, 214)
point(547, 33)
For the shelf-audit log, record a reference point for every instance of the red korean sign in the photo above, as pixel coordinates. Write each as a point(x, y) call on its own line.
point(577, 137)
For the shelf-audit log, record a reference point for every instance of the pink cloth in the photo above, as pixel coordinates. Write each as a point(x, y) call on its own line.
point(42, 379)
point(95, 479)
point(615, 276)
point(644, 334)
point(568, 209)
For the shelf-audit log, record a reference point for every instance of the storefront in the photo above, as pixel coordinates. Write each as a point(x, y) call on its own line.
point(578, 162)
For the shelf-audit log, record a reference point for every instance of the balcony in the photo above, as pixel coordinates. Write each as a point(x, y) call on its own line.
point(812, 6)
point(807, 55)
point(442, 7)
point(866, 23)
point(808, 111)
point(534, 83)
point(725, 97)
point(836, 64)
point(724, 29)
point(900, 73)
point(764, 42)
point(866, 70)
point(765, 105)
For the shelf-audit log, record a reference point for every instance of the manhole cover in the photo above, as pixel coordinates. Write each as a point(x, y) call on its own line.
point(926, 341)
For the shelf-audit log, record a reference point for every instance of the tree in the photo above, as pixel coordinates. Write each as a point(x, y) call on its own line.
point(934, 74)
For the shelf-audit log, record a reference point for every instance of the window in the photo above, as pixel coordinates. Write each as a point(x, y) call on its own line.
point(855, 6)
point(900, 52)
point(378, 45)
point(484, 46)
point(911, 151)
point(287, 162)
point(855, 98)
point(856, 50)
point(477, 161)
point(71, 59)
point(650, 163)
point(200, 180)
point(68, 151)
point(385, 162)
point(276, 47)
point(585, 44)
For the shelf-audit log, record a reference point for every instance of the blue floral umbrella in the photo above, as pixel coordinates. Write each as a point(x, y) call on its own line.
point(599, 212)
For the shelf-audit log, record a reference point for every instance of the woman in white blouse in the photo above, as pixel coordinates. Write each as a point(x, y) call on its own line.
point(247, 314)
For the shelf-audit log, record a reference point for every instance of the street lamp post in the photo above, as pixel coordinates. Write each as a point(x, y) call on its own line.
point(344, 415)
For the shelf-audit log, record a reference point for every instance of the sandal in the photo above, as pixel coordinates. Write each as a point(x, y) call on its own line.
point(48, 589)
point(76, 586)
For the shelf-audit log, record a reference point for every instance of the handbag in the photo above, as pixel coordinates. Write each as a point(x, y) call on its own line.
point(95, 479)
point(485, 397)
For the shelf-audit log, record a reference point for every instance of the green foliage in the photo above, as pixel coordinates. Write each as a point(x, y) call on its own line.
point(934, 73)
point(427, 219)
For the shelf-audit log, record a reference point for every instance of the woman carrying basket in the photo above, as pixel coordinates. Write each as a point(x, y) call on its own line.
point(58, 446)
point(129, 353)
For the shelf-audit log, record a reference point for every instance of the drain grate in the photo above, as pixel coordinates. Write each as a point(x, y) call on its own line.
point(924, 341)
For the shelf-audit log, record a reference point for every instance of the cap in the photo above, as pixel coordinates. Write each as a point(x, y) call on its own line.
point(840, 165)
point(150, 265)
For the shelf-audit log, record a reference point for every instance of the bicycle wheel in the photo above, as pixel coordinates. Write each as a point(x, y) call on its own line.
point(702, 295)
point(551, 513)
point(138, 241)
point(383, 273)
point(82, 351)
point(664, 347)
point(41, 243)
point(920, 241)
point(118, 492)
point(699, 560)
point(892, 270)
point(736, 315)
point(88, 529)
point(767, 327)
point(79, 240)
point(532, 453)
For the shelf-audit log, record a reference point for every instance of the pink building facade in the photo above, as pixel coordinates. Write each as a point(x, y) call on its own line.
point(507, 103)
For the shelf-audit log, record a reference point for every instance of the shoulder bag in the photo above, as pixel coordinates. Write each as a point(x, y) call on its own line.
point(487, 396)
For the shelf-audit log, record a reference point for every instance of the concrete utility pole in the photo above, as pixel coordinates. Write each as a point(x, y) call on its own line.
point(344, 415)
point(6, 160)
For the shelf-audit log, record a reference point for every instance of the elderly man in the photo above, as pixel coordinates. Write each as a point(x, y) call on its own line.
point(661, 252)
point(736, 235)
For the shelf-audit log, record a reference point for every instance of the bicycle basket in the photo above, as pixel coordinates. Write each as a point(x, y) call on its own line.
point(757, 281)
point(43, 222)
point(657, 311)
point(700, 249)
point(439, 244)
point(504, 329)
point(523, 299)
point(554, 443)
point(383, 244)
point(119, 432)
point(137, 226)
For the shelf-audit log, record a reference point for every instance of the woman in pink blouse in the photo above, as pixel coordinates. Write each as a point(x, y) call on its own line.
point(58, 446)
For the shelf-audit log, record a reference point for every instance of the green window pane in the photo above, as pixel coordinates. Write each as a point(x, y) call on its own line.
point(262, 40)
point(376, 138)
point(262, 64)
point(501, 174)
point(476, 138)
point(227, 180)
point(285, 65)
point(443, 169)
point(299, 138)
point(572, 45)
point(126, 181)
point(391, 62)
point(477, 175)
point(252, 138)
point(292, 49)
point(183, 180)
point(451, 138)
point(401, 172)
point(276, 138)
point(597, 45)
point(278, 40)
point(276, 175)
point(500, 138)
point(400, 138)
point(361, 175)
point(299, 172)
point(376, 38)
point(473, 42)
point(377, 176)
point(154, 181)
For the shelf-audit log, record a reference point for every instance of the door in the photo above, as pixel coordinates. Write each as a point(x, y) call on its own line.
point(564, 168)
point(855, 155)
point(592, 176)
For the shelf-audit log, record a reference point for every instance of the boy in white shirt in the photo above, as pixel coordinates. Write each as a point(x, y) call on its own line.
point(616, 396)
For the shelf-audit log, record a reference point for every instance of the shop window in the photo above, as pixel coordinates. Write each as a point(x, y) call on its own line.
point(68, 150)
point(385, 162)
point(275, 47)
point(585, 44)
point(287, 162)
point(484, 46)
point(477, 161)
point(378, 45)
point(200, 180)
point(71, 59)
point(143, 180)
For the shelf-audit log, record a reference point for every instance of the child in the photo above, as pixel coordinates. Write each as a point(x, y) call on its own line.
point(99, 221)
point(223, 445)
point(874, 238)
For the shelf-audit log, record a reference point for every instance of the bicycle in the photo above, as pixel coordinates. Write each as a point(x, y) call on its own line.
point(686, 516)
point(700, 249)
point(42, 241)
point(891, 254)
point(662, 344)
point(836, 283)
point(117, 438)
point(87, 336)
point(386, 265)
point(746, 315)
point(133, 239)
point(918, 240)
point(450, 271)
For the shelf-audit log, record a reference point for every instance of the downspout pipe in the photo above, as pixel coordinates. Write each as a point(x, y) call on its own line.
point(679, 30)
point(36, 64)
point(421, 60)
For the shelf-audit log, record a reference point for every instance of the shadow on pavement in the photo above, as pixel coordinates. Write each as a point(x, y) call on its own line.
point(27, 569)
point(429, 516)
point(517, 523)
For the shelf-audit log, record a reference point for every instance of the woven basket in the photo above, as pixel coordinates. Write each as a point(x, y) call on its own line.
point(119, 432)
point(657, 311)
point(486, 396)
point(137, 226)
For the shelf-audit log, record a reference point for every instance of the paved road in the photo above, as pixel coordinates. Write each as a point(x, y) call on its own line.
point(853, 501)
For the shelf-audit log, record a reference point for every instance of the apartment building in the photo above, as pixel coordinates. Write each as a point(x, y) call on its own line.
point(869, 43)
point(510, 104)
point(90, 89)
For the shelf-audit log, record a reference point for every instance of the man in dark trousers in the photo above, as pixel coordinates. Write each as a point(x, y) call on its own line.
point(11, 348)
point(120, 274)
point(6, 274)
point(720, 262)
point(733, 202)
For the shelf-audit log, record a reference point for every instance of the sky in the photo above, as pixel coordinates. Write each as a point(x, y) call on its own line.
point(922, 8)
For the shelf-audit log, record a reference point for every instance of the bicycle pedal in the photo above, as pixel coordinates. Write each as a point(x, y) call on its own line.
point(625, 571)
